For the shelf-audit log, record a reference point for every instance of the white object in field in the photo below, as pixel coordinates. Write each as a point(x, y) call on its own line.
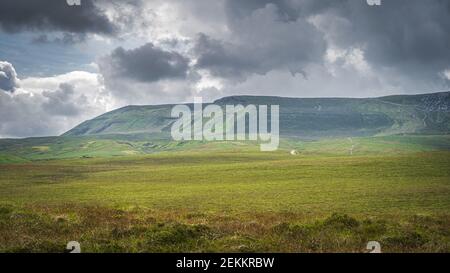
point(374, 247)
point(294, 152)
point(353, 145)
point(74, 246)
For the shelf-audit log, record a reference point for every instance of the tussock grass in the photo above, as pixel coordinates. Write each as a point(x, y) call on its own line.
point(101, 229)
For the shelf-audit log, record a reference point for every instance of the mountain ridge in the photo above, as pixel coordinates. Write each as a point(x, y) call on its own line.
point(299, 117)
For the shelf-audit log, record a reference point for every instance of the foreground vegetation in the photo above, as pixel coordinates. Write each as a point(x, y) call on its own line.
point(35, 228)
point(234, 199)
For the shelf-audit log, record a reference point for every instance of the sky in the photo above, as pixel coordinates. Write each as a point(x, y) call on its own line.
point(61, 65)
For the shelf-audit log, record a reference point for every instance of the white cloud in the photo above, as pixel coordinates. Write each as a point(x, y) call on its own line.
point(8, 77)
point(446, 74)
point(53, 105)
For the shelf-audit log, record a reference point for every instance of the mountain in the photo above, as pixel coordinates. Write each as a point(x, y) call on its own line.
point(386, 125)
point(299, 117)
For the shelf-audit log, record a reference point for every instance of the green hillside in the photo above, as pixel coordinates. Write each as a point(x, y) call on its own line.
point(394, 124)
point(307, 118)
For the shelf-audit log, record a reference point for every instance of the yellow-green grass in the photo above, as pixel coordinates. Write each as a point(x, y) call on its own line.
point(228, 200)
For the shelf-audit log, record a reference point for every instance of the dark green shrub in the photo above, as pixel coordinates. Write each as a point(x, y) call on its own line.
point(341, 221)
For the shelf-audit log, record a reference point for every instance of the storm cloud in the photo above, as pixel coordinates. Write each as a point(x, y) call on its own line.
point(261, 41)
point(147, 63)
point(409, 36)
point(294, 47)
point(51, 15)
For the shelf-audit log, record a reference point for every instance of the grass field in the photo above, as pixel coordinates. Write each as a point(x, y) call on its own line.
point(231, 198)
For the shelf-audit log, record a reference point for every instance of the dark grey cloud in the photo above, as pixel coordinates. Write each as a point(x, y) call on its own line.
point(8, 77)
point(400, 45)
point(147, 63)
point(222, 59)
point(262, 40)
point(412, 36)
point(409, 36)
point(54, 15)
point(342, 47)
